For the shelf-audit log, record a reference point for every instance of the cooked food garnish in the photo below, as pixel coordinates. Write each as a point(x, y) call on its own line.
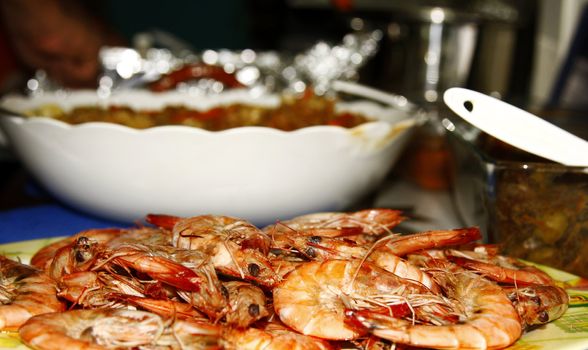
point(293, 113)
point(318, 281)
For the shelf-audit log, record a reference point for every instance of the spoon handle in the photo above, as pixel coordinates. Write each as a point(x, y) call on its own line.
point(517, 127)
point(396, 101)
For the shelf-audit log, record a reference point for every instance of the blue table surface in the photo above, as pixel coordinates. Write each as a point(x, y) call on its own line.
point(47, 220)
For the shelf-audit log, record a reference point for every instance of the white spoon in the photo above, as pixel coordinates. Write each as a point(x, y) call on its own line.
point(517, 127)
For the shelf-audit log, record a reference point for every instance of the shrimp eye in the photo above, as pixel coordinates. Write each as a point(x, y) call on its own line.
point(315, 239)
point(310, 252)
point(253, 269)
point(253, 310)
point(225, 292)
point(87, 334)
point(83, 243)
point(536, 300)
point(276, 251)
point(82, 255)
point(543, 317)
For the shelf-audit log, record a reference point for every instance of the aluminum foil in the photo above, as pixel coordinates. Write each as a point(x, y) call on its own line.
point(154, 55)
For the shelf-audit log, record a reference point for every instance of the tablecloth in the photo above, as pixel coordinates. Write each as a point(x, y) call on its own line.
point(47, 220)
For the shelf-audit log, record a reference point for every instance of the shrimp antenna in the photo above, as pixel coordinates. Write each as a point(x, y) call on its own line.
point(370, 251)
point(233, 259)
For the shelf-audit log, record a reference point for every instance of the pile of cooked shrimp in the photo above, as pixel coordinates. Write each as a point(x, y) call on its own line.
point(319, 281)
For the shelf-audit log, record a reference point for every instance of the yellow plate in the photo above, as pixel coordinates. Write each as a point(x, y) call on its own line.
point(570, 332)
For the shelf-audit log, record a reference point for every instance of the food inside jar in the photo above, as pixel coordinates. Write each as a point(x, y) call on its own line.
point(538, 210)
point(542, 216)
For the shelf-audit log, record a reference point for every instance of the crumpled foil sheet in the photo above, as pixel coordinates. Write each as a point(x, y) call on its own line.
point(261, 72)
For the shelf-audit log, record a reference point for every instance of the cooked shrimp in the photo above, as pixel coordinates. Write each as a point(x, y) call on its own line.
point(77, 256)
point(74, 287)
point(25, 291)
point(323, 248)
point(489, 319)
point(197, 232)
point(499, 268)
point(402, 245)
point(337, 224)
point(92, 329)
point(312, 299)
point(249, 265)
point(374, 343)
point(44, 257)
point(157, 267)
point(90, 289)
point(271, 336)
point(195, 335)
point(81, 251)
point(236, 247)
point(247, 304)
point(402, 268)
point(195, 280)
point(151, 236)
point(165, 308)
point(71, 286)
point(386, 252)
point(211, 298)
point(538, 305)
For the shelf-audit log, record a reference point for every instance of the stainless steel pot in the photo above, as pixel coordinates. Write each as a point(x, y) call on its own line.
point(428, 49)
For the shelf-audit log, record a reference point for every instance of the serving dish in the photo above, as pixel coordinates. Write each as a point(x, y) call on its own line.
point(570, 332)
point(256, 173)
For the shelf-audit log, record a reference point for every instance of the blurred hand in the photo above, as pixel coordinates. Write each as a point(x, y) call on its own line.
point(59, 36)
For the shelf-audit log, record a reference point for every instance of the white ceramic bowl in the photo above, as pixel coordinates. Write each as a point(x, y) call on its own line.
point(257, 173)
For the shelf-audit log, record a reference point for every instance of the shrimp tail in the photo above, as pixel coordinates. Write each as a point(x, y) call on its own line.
point(162, 221)
point(356, 318)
